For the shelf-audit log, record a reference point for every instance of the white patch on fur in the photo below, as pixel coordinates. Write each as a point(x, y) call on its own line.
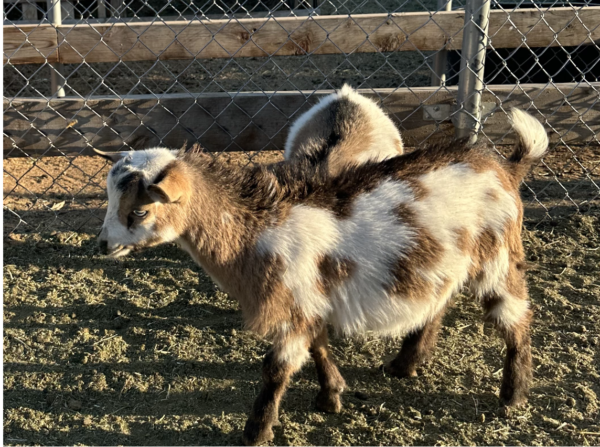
point(510, 311)
point(531, 132)
point(292, 351)
point(168, 234)
point(150, 163)
point(226, 218)
point(303, 238)
point(386, 139)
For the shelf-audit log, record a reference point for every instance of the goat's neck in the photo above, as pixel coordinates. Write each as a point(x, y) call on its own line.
point(220, 226)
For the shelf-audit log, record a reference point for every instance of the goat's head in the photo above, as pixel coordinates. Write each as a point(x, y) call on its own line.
point(147, 193)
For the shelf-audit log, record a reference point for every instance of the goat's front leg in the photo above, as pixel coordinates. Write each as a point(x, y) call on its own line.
point(285, 358)
point(331, 381)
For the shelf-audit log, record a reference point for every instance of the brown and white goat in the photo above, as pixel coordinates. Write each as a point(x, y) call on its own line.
point(343, 129)
point(379, 247)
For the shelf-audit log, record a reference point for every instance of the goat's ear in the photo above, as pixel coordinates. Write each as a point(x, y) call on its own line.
point(171, 186)
point(112, 156)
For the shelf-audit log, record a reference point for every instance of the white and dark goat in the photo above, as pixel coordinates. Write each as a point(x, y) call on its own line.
point(344, 128)
point(378, 247)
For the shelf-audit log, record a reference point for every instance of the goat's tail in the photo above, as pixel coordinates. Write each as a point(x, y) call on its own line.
point(532, 144)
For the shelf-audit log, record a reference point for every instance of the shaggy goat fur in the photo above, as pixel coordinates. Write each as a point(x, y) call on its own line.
point(343, 129)
point(379, 247)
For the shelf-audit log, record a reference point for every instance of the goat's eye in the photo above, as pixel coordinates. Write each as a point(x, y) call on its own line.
point(140, 213)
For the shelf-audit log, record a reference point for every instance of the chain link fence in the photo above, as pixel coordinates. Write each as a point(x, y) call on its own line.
point(233, 74)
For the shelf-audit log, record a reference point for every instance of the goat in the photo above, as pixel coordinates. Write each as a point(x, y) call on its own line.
point(379, 247)
point(342, 129)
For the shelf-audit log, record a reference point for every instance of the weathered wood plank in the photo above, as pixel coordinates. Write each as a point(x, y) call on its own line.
point(539, 28)
point(321, 35)
point(111, 42)
point(30, 44)
point(257, 121)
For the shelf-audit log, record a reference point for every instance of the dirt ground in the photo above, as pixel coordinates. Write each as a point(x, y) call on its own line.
point(147, 350)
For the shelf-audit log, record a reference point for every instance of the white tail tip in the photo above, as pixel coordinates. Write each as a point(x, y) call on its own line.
point(531, 132)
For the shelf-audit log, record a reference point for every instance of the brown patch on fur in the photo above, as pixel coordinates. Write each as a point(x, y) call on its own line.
point(171, 185)
point(442, 154)
point(463, 240)
point(514, 241)
point(515, 284)
point(133, 197)
point(507, 180)
point(484, 249)
point(399, 146)
point(416, 348)
point(334, 272)
point(265, 301)
point(427, 252)
point(517, 373)
point(418, 189)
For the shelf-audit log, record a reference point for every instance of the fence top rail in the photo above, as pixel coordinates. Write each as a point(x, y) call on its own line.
point(342, 34)
point(259, 120)
point(379, 92)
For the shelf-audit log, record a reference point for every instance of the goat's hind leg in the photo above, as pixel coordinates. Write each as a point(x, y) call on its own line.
point(331, 381)
point(507, 307)
point(416, 348)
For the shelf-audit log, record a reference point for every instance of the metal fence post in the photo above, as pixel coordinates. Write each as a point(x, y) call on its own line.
point(102, 9)
point(57, 79)
point(438, 77)
point(467, 119)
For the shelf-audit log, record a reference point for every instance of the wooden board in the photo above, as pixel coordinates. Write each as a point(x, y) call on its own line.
point(30, 44)
point(321, 35)
point(259, 121)
point(112, 42)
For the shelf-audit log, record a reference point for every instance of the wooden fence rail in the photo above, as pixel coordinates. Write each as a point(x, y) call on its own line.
point(138, 41)
point(255, 121)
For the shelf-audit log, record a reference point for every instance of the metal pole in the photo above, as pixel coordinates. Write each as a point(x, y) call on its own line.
point(438, 77)
point(101, 9)
point(467, 119)
point(57, 79)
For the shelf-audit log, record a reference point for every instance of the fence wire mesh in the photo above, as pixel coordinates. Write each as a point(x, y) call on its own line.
point(232, 75)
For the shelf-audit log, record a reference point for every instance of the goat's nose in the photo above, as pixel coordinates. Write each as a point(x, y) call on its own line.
point(103, 246)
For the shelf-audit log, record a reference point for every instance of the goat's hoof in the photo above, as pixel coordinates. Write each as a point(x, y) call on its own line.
point(329, 402)
point(504, 412)
point(400, 373)
point(254, 435)
point(513, 401)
